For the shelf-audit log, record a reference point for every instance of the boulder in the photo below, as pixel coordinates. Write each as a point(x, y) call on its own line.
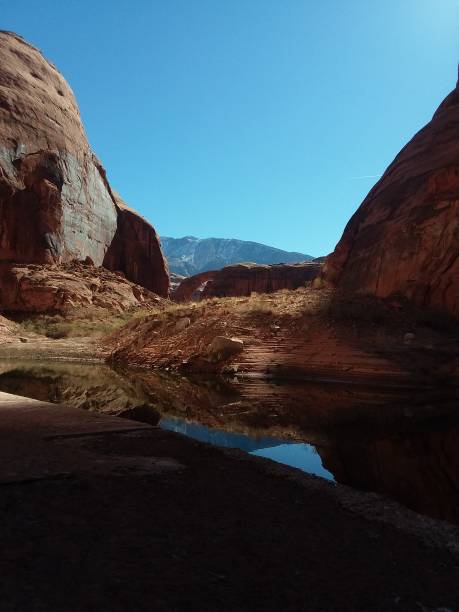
point(222, 348)
point(404, 238)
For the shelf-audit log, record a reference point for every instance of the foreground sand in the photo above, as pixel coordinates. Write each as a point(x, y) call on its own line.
point(100, 513)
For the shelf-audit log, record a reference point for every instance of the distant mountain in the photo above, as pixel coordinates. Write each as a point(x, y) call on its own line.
point(190, 255)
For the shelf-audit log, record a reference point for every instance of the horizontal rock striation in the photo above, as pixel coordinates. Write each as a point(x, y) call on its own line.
point(56, 204)
point(243, 279)
point(404, 238)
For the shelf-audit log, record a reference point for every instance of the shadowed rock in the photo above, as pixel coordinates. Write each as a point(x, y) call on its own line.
point(136, 250)
point(404, 238)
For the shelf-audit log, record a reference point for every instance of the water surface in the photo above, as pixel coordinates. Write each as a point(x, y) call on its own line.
point(400, 443)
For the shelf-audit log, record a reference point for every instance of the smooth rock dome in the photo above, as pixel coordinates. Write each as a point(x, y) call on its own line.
point(55, 201)
point(404, 238)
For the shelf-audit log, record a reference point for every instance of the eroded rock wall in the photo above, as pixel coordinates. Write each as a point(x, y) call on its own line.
point(56, 204)
point(404, 238)
point(243, 279)
point(136, 251)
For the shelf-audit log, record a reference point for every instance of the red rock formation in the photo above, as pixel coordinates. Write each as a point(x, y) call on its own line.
point(55, 201)
point(242, 279)
point(65, 287)
point(404, 238)
point(191, 288)
point(136, 251)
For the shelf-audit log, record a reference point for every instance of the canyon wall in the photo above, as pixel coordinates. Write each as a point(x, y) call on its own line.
point(243, 279)
point(404, 238)
point(136, 251)
point(55, 201)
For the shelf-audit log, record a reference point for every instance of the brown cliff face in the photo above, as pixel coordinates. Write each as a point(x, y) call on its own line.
point(404, 238)
point(55, 201)
point(191, 288)
point(242, 279)
point(136, 251)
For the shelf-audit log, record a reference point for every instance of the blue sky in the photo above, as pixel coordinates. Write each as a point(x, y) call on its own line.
point(251, 119)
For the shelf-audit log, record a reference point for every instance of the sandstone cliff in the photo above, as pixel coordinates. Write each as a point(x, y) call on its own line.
point(404, 238)
point(136, 251)
point(55, 201)
point(242, 279)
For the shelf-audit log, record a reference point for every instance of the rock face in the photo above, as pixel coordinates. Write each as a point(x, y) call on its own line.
point(175, 280)
point(8, 330)
point(60, 288)
point(404, 238)
point(56, 204)
point(136, 251)
point(192, 288)
point(190, 255)
point(242, 279)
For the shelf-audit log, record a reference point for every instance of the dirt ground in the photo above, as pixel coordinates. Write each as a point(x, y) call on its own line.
point(100, 516)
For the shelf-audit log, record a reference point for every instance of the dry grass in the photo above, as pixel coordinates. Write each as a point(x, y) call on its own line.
point(303, 301)
point(81, 323)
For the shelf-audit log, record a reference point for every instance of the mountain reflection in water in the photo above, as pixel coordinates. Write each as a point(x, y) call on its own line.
point(400, 443)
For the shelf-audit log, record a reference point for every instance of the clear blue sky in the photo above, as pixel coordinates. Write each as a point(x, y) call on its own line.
point(248, 118)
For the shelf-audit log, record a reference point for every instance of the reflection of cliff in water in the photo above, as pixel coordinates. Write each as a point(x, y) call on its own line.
point(419, 467)
point(90, 387)
point(401, 443)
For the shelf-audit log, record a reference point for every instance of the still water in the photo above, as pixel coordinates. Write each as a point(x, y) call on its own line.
point(400, 443)
point(296, 454)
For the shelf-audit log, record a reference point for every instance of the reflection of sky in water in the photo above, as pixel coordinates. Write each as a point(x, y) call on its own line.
point(302, 456)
